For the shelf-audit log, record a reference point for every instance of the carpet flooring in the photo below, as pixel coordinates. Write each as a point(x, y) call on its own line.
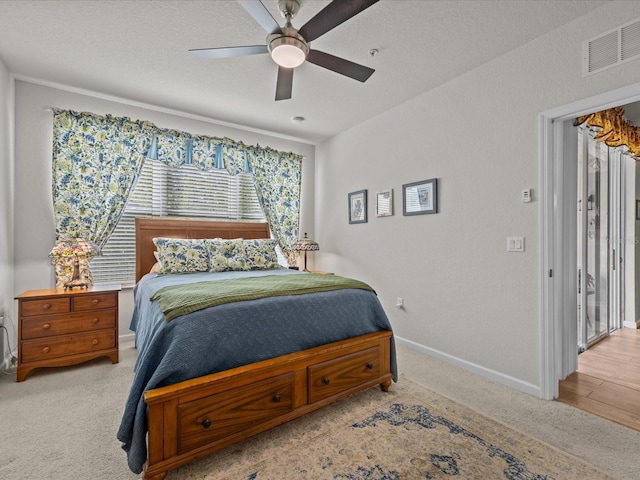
point(61, 424)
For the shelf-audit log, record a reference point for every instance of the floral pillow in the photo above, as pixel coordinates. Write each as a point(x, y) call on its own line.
point(261, 254)
point(226, 255)
point(180, 255)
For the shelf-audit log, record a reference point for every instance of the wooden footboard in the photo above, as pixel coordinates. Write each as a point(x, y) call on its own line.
point(199, 416)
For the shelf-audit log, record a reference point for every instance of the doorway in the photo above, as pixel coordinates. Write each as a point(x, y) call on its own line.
point(558, 233)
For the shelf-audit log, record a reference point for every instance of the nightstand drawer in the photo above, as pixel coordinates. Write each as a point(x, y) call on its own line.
point(55, 347)
point(37, 327)
point(49, 306)
point(92, 302)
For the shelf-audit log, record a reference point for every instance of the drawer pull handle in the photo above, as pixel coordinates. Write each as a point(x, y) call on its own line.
point(277, 398)
point(94, 320)
point(46, 326)
point(95, 301)
point(206, 423)
point(370, 366)
point(46, 306)
point(46, 350)
point(95, 341)
point(326, 380)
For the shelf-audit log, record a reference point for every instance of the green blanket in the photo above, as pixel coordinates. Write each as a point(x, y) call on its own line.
point(176, 300)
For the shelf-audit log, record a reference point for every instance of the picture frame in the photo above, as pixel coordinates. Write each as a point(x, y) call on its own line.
point(420, 198)
point(384, 203)
point(358, 207)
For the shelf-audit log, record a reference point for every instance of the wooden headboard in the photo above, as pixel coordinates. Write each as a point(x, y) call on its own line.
point(148, 228)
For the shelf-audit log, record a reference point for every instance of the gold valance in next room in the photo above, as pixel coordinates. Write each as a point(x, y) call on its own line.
point(615, 130)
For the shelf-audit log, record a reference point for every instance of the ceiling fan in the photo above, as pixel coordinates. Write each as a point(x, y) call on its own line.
point(289, 47)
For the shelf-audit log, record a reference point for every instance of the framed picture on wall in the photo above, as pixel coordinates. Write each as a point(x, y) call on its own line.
point(420, 198)
point(384, 203)
point(358, 207)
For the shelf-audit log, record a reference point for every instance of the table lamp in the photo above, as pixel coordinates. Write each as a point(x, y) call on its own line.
point(75, 248)
point(306, 245)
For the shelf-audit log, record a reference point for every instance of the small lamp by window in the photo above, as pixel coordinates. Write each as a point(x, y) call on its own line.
point(76, 249)
point(306, 245)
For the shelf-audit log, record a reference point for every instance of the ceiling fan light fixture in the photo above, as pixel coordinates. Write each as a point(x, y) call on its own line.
point(288, 52)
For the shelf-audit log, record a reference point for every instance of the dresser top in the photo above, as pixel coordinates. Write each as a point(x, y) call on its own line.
point(52, 292)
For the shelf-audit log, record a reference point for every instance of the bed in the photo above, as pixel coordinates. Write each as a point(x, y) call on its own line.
point(211, 376)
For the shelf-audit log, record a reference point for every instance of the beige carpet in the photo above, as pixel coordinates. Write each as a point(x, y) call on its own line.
point(60, 424)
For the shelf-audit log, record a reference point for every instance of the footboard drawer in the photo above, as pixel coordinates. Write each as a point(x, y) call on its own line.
point(342, 373)
point(212, 418)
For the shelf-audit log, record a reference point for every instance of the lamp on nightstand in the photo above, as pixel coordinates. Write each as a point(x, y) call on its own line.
point(306, 245)
point(76, 249)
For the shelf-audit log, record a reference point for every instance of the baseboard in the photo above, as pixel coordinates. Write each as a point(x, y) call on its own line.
point(627, 324)
point(128, 337)
point(487, 373)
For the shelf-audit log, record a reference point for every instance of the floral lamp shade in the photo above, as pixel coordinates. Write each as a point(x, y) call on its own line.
point(71, 258)
point(306, 245)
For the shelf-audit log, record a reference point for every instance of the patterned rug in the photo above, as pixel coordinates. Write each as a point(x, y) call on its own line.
point(405, 434)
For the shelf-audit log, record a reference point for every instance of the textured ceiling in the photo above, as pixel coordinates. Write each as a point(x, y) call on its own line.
point(138, 50)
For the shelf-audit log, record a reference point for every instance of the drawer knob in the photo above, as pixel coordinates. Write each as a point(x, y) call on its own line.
point(369, 366)
point(95, 341)
point(46, 306)
point(46, 350)
point(95, 301)
point(326, 380)
point(206, 423)
point(94, 320)
point(277, 398)
point(46, 326)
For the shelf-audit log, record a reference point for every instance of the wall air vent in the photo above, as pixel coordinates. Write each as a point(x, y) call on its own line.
point(611, 48)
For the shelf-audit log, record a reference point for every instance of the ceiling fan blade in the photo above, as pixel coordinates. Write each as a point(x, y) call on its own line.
point(285, 83)
point(261, 15)
point(340, 65)
point(337, 12)
point(229, 52)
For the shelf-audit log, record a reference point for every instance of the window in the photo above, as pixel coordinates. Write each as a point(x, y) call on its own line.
point(183, 191)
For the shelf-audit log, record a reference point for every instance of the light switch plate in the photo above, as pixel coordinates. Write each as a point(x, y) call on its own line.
point(515, 244)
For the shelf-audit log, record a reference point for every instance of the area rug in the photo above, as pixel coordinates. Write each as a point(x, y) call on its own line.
point(405, 434)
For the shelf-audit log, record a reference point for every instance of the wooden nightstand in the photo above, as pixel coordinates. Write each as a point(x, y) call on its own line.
point(58, 327)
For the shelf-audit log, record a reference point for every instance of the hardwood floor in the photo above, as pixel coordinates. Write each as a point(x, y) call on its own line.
point(607, 382)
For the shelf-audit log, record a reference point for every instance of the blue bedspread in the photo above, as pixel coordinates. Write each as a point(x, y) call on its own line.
point(227, 336)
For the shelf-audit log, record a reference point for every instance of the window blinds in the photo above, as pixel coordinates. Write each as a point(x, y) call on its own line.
point(183, 191)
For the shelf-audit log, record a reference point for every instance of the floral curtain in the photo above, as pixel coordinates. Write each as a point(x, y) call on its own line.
point(97, 159)
point(278, 177)
point(614, 129)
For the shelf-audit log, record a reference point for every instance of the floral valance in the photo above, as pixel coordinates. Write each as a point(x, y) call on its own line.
point(615, 130)
point(97, 159)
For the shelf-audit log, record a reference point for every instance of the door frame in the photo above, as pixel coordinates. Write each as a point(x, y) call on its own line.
point(557, 282)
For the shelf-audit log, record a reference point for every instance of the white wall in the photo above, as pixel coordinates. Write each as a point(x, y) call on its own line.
point(466, 298)
point(34, 227)
point(6, 202)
